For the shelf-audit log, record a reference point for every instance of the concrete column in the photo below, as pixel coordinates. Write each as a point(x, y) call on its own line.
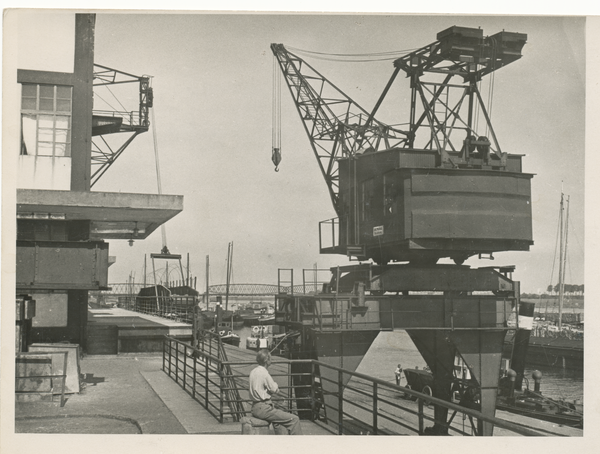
point(83, 90)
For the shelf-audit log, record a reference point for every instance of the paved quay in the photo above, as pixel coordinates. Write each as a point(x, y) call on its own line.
point(127, 394)
point(130, 394)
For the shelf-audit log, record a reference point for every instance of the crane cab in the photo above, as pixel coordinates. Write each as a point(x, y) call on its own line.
point(399, 205)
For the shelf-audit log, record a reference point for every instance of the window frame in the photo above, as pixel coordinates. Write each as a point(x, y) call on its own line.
point(62, 111)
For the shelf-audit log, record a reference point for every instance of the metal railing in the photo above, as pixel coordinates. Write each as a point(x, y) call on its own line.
point(219, 385)
point(367, 405)
point(329, 236)
point(342, 401)
point(331, 311)
point(130, 119)
point(175, 307)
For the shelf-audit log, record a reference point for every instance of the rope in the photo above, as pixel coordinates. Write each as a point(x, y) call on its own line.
point(158, 180)
point(556, 245)
point(110, 91)
point(350, 58)
point(107, 103)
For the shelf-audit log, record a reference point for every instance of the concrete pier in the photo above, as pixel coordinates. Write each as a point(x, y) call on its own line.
point(138, 332)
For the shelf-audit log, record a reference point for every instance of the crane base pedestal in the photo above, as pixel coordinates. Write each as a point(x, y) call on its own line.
point(449, 311)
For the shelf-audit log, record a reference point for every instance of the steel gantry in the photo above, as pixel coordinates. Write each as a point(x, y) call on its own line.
point(107, 122)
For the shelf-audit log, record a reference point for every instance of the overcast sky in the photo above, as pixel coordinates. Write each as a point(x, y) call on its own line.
point(212, 79)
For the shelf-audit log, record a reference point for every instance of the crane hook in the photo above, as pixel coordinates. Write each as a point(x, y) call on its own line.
point(276, 158)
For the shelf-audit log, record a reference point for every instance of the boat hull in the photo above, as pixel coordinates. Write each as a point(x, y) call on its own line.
point(233, 339)
point(538, 409)
point(551, 352)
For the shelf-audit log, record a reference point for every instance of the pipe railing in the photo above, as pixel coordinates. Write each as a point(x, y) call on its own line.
point(347, 402)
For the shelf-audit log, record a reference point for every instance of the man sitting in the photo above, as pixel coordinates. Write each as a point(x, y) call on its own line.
point(262, 387)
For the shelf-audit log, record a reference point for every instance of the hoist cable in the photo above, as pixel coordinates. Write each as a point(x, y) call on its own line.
point(371, 56)
point(276, 116)
point(110, 91)
point(353, 60)
point(107, 103)
point(158, 180)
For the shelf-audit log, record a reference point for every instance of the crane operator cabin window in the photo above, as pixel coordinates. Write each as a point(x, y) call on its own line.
point(46, 120)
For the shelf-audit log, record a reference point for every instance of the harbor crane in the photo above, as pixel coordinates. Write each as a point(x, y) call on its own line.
point(438, 186)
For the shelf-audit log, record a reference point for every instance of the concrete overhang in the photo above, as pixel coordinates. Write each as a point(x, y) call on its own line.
point(112, 215)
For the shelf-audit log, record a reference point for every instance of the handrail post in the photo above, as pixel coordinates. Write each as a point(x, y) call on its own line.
point(205, 382)
point(164, 351)
point(221, 386)
point(170, 357)
point(340, 402)
point(290, 381)
point(421, 420)
point(176, 362)
point(313, 403)
point(195, 363)
point(184, 365)
point(375, 406)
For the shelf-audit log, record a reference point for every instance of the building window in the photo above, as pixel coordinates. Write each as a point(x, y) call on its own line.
point(46, 120)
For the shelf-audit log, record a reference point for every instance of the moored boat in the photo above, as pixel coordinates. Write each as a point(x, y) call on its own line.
point(266, 319)
point(264, 336)
point(535, 405)
point(227, 336)
point(522, 402)
point(552, 349)
point(230, 338)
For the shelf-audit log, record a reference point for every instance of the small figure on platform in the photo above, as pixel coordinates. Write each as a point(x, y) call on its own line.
point(262, 387)
point(398, 373)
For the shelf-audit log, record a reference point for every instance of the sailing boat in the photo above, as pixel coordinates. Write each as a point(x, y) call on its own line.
point(224, 325)
point(558, 346)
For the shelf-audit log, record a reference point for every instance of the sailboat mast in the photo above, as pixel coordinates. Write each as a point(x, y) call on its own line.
point(229, 260)
point(563, 262)
point(207, 294)
point(561, 259)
